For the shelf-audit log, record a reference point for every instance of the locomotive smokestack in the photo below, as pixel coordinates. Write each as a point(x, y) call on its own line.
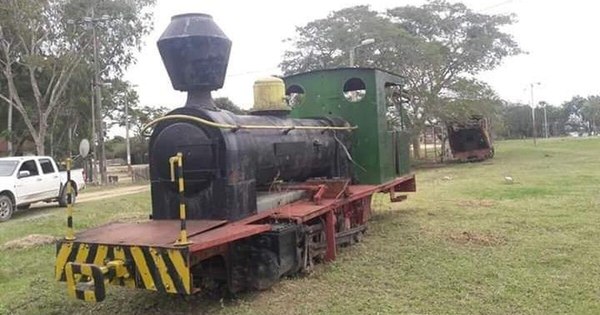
point(195, 52)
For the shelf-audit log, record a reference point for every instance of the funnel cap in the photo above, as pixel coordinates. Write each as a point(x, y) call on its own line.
point(195, 52)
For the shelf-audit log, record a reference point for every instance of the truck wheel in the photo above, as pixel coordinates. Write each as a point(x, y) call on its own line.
point(62, 200)
point(6, 208)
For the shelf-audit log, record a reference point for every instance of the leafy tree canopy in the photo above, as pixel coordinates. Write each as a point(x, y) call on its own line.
point(227, 104)
point(46, 56)
point(438, 47)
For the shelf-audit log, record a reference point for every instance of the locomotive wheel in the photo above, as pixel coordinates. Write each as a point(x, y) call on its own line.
point(6, 208)
point(265, 270)
point(214, 289)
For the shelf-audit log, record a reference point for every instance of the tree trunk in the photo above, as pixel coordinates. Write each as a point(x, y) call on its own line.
point(416, 148)
point(52, 142)
point(41, 138)
point(39, 145)
point(443, 153)
point(435, 153)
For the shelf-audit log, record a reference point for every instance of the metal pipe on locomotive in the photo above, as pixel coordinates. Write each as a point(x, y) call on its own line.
point(266, 195)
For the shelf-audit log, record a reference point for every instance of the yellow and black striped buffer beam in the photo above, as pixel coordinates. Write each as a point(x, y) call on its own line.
point(153, 268)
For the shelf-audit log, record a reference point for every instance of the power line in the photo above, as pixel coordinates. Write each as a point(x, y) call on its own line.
point(250, 72)
point(499, 4)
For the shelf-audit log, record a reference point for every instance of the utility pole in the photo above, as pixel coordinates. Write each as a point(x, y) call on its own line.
point(94, 137)
point(533, 113)
point(545, 121)
point(91, 21)
point(98, 104)
point(127, 137)
point(364, 42)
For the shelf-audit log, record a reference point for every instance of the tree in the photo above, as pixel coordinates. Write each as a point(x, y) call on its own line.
point(140, 117)
point(18, 134)
point(557, 119)
point(143, 115)
point(33, 44)
point(466, 98)
point(576, 114)
point(326, 43)
point(119, 95)
point(591, 114)
point(517, 121)
point(40, 53)
point(226, 104)
point(435, 46)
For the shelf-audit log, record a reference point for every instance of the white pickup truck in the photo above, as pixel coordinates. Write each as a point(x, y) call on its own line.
point(28, 179)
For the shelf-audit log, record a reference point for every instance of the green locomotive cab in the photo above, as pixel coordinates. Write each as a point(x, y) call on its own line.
point(367, 98)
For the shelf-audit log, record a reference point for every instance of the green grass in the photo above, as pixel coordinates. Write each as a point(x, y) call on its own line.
point(466, 243)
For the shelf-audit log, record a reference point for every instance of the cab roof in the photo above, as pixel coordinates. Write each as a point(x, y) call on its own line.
point(23, 158)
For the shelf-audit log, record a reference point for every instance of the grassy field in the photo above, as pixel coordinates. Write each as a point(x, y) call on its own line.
point(467, 243)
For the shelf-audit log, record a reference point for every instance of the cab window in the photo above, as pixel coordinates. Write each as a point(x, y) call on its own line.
point(31, 167)
point(47, 166)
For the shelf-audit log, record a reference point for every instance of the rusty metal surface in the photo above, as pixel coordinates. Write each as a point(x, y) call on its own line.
point(305, 210)
point(151, 233)
point(330, 252)
point(225, 234)
point(336, 187)
point(471, 141)
point(205, 234)
point(475, 155)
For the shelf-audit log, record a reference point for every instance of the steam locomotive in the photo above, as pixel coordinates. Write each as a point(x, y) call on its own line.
point(243, 200)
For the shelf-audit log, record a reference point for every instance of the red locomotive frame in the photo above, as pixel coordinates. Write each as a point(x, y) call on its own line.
point(146, 255)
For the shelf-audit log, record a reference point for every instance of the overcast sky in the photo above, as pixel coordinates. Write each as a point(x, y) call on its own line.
point(561, 38)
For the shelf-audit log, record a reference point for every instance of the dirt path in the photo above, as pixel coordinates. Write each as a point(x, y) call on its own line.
point(110, 193)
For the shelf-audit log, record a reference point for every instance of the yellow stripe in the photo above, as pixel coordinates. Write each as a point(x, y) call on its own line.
point(162, 269)
point(61, 259)
point(180, 266)
point(86, 270)
point(89, 296)
point(100, 255)
point(119, 254)
point(70, 281)
point(142, 267)
point(82, 253)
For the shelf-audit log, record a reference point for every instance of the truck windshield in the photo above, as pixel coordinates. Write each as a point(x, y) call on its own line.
point(7, 167)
